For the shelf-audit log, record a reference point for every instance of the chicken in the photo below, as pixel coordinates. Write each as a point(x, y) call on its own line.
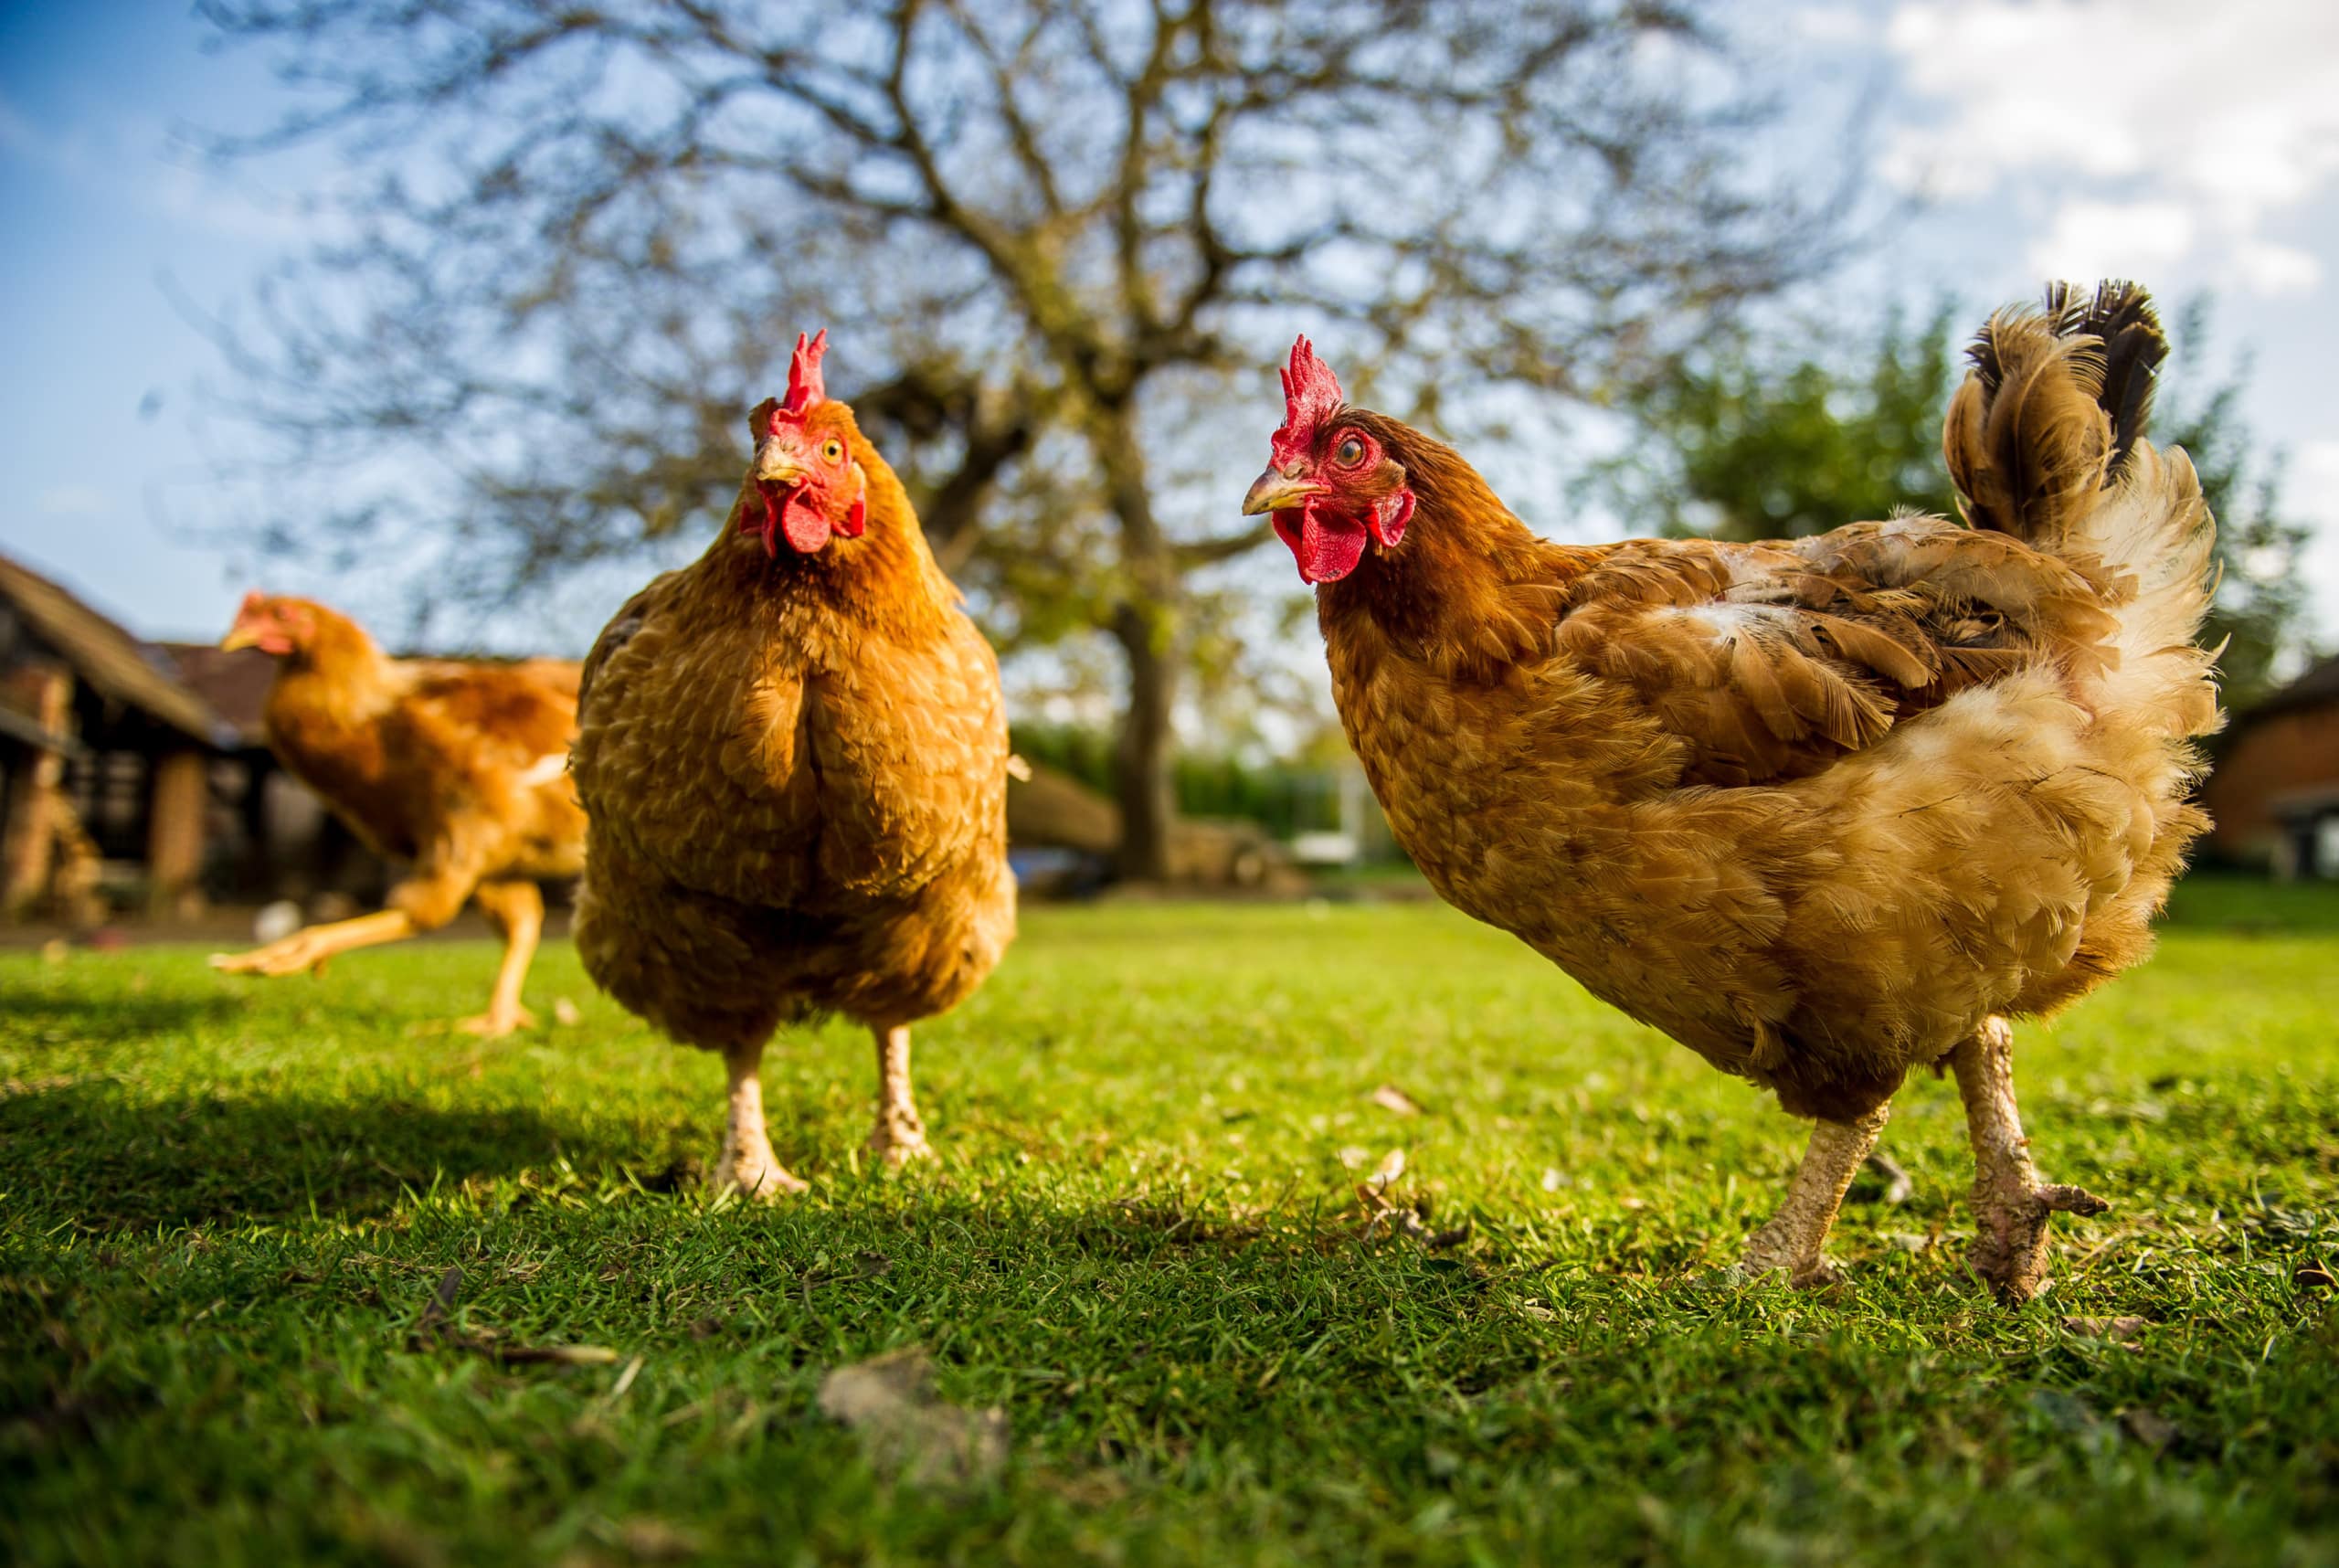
point(1824, 811)
point(458, 769)
point(794, 754)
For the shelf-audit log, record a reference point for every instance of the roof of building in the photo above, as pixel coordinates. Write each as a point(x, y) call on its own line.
point(107, 657)
point(2319, 685)
point(234, 681)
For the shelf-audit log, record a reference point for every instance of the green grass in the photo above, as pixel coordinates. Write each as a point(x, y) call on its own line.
point(226, 1206)
point(2237, 903)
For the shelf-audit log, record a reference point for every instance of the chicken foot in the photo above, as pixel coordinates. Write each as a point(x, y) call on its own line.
point(517, 910)
point(900, 1134)
point(2010, 1204)
point(1795, 1236)
point(309, 947)
point(748, 1162)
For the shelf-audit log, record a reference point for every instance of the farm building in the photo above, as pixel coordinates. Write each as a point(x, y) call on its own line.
point(2275, 793)
point(106, 762)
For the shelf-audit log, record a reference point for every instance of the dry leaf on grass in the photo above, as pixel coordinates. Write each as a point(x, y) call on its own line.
point(1390, 1097)
point(566, 1013)
point(865, 1265)
point(555, 1355)
point(435, 1327)
point(890, 1402)
point(2154, 1432)
point(2121, 1331)
point(1411, 1222)
point(655, 1541)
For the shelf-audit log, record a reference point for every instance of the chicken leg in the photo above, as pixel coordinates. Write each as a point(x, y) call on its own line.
point(2010, 1204)
point(309, 947)
point(900, 1135)
point(1795, 1234)
point(748, 1162)
point(517, 910)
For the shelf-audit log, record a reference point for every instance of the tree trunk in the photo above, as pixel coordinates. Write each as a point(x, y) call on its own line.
point(1145, 624)
point(1141, 758)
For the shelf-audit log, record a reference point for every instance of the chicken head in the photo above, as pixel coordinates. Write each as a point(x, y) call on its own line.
point(806, 485)
point(1330, 486)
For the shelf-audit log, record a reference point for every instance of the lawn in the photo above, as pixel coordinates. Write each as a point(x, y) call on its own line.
point(274, 1258)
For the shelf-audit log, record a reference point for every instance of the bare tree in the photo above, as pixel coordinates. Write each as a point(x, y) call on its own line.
point(1045, 235)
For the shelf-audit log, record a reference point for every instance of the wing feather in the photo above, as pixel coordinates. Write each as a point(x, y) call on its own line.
point(1770, 661)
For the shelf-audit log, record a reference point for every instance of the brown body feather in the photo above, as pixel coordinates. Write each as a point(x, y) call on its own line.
point(796, 772)
point(452, 767)
point(1815, 809)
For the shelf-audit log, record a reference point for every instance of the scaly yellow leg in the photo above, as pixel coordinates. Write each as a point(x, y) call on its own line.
point(309, 949)
point(1792, 1239)
point(517, 909)
point(900, 1135)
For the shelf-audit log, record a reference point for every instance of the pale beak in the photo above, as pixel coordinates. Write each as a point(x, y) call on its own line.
point(241, 635)
point(774, 466)
point(1273, 491)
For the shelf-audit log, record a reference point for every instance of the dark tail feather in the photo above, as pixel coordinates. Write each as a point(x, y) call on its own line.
point(2121, 317)
point(2055, 400)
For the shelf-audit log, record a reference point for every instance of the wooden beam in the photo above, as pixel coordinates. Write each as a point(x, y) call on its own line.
point(28, 835)
point(181, 793)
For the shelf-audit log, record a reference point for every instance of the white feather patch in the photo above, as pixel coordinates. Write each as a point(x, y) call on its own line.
point(545, 770)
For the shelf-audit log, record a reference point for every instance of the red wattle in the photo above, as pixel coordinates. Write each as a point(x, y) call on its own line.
point(806, 529)
point(787, 512)
point(1326, 548)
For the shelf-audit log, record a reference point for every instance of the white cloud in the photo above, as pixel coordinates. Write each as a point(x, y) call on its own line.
point(72, 501)
point(2127, 113)
point(2109, 240)
point(2271, 269)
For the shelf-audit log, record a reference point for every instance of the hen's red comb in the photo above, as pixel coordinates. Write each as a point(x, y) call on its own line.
point(804, 388)
point(1311, 394)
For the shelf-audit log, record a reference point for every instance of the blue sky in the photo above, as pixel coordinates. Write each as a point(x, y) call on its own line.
point(2194, 147)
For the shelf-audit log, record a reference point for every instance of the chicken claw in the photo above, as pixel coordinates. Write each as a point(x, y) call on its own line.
point(309, 947)
point(495, 1023)
point(747, 1164)
point(2011, 1205)
point(896, 1143)
point(293, 954)
point(765, 1180)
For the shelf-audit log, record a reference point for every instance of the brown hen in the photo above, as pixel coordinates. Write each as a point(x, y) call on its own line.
point(1824, 811)
point(458, 769)
point(794, 752)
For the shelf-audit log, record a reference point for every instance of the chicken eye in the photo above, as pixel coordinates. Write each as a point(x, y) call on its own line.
point(831, 450)
point(1349, 452)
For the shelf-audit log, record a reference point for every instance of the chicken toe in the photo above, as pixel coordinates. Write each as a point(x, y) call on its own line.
point(747, 1163)
point(495, 1023)
point(1795, 1236)
point(2011, 1205)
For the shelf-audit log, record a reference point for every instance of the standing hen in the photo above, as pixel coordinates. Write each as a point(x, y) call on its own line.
point(1824, 811)
point(794, 754)
point(457, 768)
